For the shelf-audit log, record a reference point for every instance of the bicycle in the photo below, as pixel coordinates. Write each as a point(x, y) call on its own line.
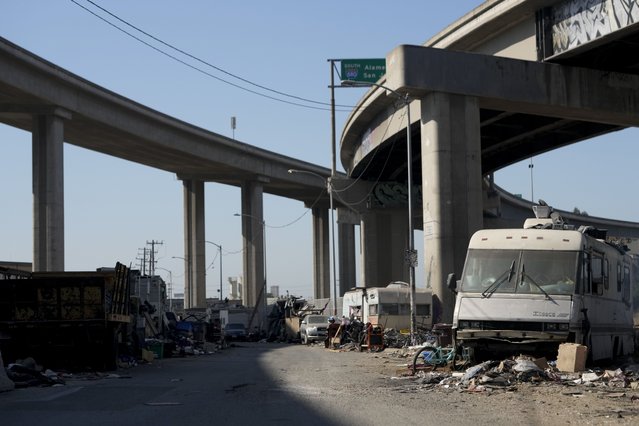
point(431, 357)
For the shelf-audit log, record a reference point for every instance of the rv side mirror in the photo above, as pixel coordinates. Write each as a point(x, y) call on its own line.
point(451, 282)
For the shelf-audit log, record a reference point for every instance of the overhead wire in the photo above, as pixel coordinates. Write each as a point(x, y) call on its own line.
point(306, 210)
point(195, 58)
point(244, 80)
point(378, 178)
point(205, 62)
point(193, 66)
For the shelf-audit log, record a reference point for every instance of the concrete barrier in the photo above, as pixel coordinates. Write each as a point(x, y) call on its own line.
point(6, 384)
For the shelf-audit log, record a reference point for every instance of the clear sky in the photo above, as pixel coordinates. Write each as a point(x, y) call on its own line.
point(114, 207)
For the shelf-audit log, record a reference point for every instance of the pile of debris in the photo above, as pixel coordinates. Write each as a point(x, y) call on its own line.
point(396, 339)
point(285, 315)
point(26, 372)
point(504, 375)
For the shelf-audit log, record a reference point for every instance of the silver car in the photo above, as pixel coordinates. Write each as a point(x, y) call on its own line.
point(313, 328)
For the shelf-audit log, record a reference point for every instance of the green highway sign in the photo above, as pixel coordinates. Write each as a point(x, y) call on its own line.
point(364, 70)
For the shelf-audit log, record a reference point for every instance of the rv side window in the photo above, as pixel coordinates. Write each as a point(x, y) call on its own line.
point(620, 277)
point(389, 309)
point(585, 274)
point(373, 309)
point(598, 276)
point(626, 284)
point(635, 287)
point(423, 310)
point(404, 309)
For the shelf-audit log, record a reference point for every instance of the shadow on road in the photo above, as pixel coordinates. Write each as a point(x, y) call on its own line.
point(234, 386)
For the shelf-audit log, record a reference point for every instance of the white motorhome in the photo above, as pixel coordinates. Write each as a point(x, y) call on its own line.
point(388, 307)
point(543, 285)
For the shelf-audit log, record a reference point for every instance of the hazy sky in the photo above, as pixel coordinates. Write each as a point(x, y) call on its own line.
point(114, 207)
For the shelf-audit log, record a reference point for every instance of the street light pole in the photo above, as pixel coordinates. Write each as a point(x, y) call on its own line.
point(411, 253)
point(329, 187)
point(329, 184)
point(219, 246)
point(329, 181)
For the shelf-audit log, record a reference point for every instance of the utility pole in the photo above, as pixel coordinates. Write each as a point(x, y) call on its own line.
point(152, 261)
point(142, 260)
point(329, 182)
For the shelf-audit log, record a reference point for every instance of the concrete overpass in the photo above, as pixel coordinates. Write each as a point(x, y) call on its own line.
point(509, 80)
point(532, 107)
point(57, 106)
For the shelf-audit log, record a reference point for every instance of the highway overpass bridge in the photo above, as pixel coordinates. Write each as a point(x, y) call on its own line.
point(57, 106)
point(509, 80)
point(524, 95)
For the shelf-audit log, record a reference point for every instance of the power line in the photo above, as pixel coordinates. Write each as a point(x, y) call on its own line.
point(189, 55)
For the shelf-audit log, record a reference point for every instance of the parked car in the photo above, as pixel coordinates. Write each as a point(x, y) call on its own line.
point(313, 328)
point(234, 331)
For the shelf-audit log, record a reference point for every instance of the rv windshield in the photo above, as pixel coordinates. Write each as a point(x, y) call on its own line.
point(536, 271)
point(548, 272)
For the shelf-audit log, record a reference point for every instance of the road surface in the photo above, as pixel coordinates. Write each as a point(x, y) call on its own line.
point(266, 383)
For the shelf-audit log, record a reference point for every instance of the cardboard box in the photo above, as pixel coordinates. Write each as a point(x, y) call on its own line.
point(541, 363)
point(572, 357)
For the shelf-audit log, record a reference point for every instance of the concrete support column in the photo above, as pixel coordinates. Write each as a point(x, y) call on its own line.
point(346, 221)
point(451, 188)
point(194, 247)
point(384, 240)
point(48, 193)
point(254, 244)
point(321, 254)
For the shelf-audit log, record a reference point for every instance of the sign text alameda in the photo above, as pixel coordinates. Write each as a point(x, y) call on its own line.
point(364, 70)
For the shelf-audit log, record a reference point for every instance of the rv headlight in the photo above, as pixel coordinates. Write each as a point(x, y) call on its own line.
point(564, 326)
point(551, 326)
point(475, 324)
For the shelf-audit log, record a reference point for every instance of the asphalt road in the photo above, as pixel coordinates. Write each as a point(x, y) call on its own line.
point(252, 383)
point(266, 383)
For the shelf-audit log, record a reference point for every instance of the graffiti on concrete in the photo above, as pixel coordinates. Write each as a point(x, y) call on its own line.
point(577, 22)
point(394, 194)
point(626, 12)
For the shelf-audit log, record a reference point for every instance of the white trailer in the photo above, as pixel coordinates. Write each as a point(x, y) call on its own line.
point(389, 306)
point(548, 283)
point(234, 315)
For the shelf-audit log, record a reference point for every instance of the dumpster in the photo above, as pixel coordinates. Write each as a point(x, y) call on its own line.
point(63, 318)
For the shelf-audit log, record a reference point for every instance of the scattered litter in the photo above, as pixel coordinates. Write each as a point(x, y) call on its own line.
point(525, 366)
point(474, 371)
point(589, 377)
point(26, 373)
point(505, 375)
